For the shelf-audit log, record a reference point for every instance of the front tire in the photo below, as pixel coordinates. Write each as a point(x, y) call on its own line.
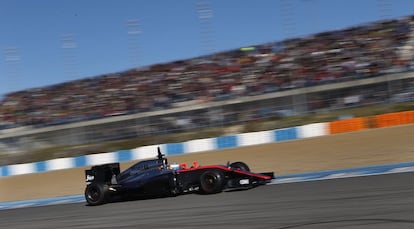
point(212, 181)
point(240, 166)
point(96, 194)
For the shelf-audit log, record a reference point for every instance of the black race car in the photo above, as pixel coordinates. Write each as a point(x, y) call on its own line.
point(153, 178)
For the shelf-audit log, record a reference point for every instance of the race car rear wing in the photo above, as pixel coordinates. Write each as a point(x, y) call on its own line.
point(102, 173)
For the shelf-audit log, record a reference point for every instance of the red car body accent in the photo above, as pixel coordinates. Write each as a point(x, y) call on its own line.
point(225, 168)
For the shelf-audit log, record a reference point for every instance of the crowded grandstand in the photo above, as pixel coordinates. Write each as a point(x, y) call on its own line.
point(357, 66)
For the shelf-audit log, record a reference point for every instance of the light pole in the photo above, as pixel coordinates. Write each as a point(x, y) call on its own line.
point(384, 9)
point(12, 61)
point(205, 15)
point(287, 13)
point(69, 46)
point(134, 31)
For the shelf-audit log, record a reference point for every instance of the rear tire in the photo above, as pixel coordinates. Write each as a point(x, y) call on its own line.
point(240, 166)
point(212, 181)
point(96, 194)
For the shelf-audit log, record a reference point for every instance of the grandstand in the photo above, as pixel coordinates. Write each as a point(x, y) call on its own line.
point(358, 66)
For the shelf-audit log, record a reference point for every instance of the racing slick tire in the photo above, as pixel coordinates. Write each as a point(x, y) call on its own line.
point(212, 181)
point(96, 194)
point(240, 166)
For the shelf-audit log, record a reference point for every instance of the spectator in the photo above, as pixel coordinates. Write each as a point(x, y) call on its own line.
point(357, 52)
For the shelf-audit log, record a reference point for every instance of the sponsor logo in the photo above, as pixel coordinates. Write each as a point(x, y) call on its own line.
point(244, 181)
point(90, 178)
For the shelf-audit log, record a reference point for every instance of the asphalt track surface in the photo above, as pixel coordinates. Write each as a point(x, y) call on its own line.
point(381, 202)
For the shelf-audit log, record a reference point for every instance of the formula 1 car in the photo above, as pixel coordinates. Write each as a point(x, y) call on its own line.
point(156, 178)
